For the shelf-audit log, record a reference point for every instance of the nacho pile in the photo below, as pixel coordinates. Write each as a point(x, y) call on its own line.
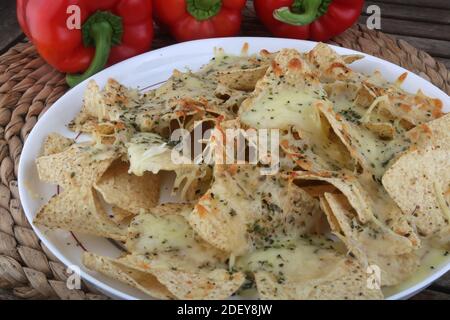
point(362, 182)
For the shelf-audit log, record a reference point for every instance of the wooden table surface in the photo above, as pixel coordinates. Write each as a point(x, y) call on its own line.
point(425, 24)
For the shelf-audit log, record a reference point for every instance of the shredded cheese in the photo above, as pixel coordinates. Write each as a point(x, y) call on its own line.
point(366, 116)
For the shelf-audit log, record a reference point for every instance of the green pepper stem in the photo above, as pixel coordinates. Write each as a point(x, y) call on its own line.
point(102, 30)
point(203, 9)
point(101, 33)
point(311, 12)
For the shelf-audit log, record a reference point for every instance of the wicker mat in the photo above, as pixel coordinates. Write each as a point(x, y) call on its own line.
point(28, 86)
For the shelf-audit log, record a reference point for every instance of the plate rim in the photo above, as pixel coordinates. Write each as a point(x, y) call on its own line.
point(116, 293)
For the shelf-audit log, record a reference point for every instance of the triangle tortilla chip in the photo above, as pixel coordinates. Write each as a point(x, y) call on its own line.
point(347, 281)
point(371, 243)
point(186, 280)
point(56, 143)
point(243, 79)
point(120, 216)
point(144, 281)
point(330, 66)
point(419, 182)
point(372, 152)
point(349, 185)
point(435, 134)
point(79, 165)
point(128, 191)
point(79, 210)
point(369, 200)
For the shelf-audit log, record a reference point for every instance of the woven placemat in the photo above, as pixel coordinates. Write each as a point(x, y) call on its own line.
point(28, 87)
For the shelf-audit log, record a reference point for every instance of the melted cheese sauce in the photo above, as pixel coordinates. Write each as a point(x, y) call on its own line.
point(225, 62)
point(377, 152)
point(163, 239)
point(301, 258)
point(148, 152)
point(293, 258)
point(432, 259)
point(283, 109)
point(291, 107)
point(161, 233)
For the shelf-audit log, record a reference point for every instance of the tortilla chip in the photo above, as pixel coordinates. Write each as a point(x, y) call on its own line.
point(349, 185)
point(79, 210)
point(121, 216)
point(149, 152)
point(434, 134)
point(243, 208)
point(415, 109)
point(372, 152)
point(288, 72)
point(242, 79)
point(223, 63)
point(218, 284)
point(329, 65)
point(56, 143)
point(83, 123)
point(144, 281)
point(419, 182)
point(347, 281)
point(179, 103)
point(107, 104)
point(442, 239)
point(350, 58)
point(104, 105)
point(383, 97)
point(186, 280)
point(316, 188)
point(353, 102)
point(371, 243)
point(82, 164)
point(163, 244)
point(232, 99)
point(128, 191)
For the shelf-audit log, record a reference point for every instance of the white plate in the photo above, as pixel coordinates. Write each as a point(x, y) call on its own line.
point(145, 71)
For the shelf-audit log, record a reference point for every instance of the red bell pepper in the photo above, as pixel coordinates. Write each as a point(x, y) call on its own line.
point(308, 19)
point(112, 30)
point(199, 19)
